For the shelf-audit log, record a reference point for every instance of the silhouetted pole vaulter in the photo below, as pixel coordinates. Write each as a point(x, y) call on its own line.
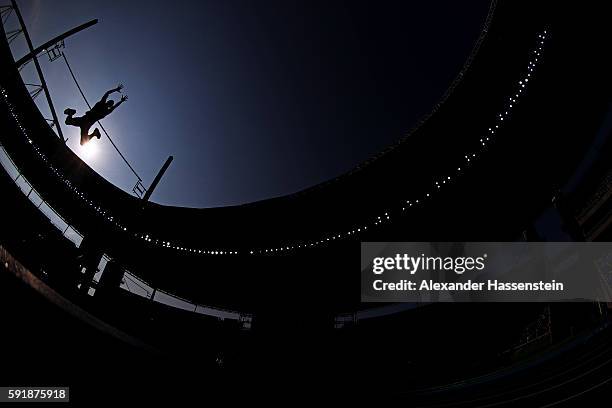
point(100, 110)
point(139, 189)
point(139, 182)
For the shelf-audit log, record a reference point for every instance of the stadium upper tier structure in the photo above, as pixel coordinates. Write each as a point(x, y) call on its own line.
point(524, 129)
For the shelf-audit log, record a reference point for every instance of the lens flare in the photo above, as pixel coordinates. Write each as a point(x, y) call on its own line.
point(89, 150)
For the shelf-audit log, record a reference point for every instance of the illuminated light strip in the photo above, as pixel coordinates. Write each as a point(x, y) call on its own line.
point(68, 231)
point(469, 157)
point(212, 311)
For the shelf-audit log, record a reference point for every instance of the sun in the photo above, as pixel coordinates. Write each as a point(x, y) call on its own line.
point(89, 150)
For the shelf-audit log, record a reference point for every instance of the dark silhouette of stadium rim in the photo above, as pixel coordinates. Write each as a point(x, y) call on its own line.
point(336, 205)
point(464, 210)
point(161, 243)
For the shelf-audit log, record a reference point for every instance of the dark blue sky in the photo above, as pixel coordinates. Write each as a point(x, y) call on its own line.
point(253, 99)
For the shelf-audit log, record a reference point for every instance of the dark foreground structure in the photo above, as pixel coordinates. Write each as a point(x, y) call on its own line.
point(101, 289)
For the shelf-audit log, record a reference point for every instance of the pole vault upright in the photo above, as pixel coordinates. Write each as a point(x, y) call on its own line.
point(43, 83)
point(34, 56)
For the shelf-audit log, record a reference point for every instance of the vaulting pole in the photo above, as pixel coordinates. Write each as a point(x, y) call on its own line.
point(53, 41)
point(157, 179)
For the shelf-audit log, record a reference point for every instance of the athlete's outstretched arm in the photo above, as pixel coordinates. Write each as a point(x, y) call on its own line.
point(106, 95)
point(123, 99)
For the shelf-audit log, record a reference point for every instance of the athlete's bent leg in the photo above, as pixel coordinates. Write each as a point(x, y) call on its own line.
point(85, 135)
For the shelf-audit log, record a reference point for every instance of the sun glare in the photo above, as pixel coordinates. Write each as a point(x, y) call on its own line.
point(89, 150)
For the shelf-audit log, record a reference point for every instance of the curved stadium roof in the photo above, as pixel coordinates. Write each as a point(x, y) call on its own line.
point(469, 206)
